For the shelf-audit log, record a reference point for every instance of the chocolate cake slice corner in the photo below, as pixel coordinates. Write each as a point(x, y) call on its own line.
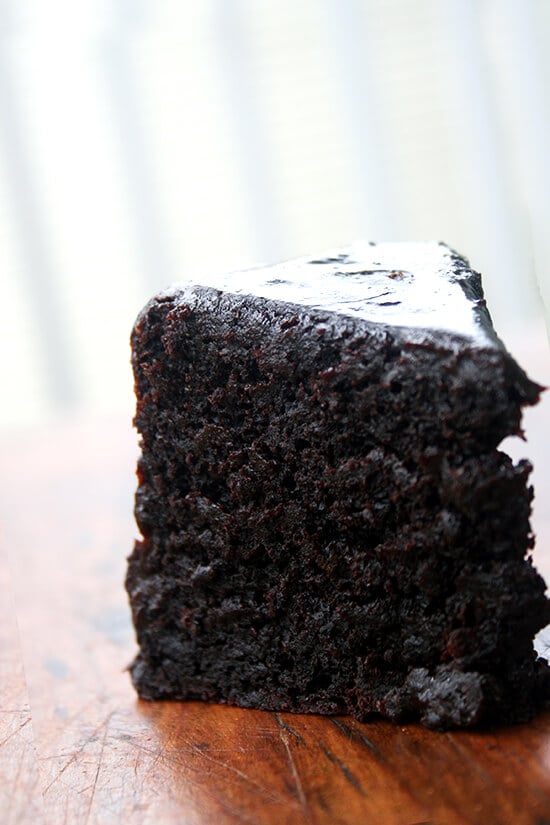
point(328, 524)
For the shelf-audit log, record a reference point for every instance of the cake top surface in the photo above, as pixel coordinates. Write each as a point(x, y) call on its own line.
point(418, 285)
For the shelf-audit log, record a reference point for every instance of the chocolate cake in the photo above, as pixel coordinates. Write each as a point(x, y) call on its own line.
point(328, 525)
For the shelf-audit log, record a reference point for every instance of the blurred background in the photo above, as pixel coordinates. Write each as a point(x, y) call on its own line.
point(144, 141)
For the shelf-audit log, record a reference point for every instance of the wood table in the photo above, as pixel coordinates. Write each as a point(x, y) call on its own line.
point(77, 746)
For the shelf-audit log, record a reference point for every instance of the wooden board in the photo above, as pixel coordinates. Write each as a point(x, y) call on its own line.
point(93, 753)
point(20, 793)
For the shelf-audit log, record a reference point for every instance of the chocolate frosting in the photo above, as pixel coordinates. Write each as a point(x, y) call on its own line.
point(421, 286)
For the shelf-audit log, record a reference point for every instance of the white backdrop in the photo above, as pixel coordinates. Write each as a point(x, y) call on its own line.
point(146, 140)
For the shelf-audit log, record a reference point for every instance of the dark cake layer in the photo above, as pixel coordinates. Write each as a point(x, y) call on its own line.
point(327, 523)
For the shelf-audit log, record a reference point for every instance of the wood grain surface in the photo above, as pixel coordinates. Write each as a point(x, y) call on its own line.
point(77, 747)
point(20, 793)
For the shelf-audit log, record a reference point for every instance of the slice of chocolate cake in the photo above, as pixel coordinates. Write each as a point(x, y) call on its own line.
point(328, 523)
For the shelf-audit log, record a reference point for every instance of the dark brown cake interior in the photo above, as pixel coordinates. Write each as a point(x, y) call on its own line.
point(328, 525)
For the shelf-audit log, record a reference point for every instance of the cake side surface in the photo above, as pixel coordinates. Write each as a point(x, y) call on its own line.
point(328, 524)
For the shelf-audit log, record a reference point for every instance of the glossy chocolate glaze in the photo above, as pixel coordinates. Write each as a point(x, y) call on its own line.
point(422, 286)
